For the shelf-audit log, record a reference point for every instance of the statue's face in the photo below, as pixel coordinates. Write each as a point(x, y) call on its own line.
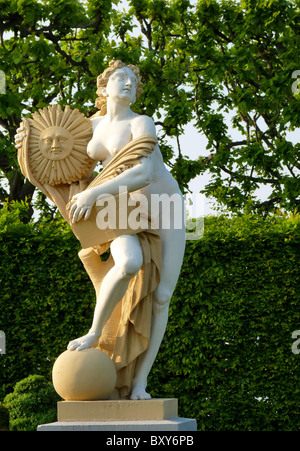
point(122, 84)
point(56, 143)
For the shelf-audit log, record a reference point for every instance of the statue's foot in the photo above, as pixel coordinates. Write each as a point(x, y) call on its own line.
point(87, 341)
point(139, 392)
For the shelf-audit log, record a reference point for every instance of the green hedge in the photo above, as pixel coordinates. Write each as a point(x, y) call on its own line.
point(227, 351)
point(4, 417)
point(46, 298)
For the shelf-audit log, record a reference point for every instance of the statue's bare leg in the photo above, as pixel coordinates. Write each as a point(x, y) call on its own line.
point(128, 258)
point(173, 246)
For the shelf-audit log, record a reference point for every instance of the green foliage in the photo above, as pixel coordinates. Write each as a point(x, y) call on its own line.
point(227, 352)
point(46, 296)
point(12, 215)
point(4, 417)
point(33, 402)
point(200, 62)
point(243, 65)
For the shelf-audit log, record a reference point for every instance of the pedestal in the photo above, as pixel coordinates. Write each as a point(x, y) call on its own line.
point(120, 415)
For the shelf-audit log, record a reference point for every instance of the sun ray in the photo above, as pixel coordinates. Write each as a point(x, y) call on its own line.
point(35, 150)
point(80, 145)
point(35, 133)
point(70, 164)
point(53, 173)
point(37, 159)
point(46, 170)
point(38, 170)
point(75, 162)
point(34, 144)
point(67, 113)
point(53, 115)
point(70, 119)
point(38, 126)
point(82, 136)
point(38, 121)
point(59, 115)
point(46, 115)
point(65, 170)
point(78, 125)
point(60, 171)
point(78, 152)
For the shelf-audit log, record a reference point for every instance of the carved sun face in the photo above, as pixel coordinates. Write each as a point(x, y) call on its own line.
point(57, 145)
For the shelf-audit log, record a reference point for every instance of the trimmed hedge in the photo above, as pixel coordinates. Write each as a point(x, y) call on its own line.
point(227, 352)
point(46, 298)
point(4, 418)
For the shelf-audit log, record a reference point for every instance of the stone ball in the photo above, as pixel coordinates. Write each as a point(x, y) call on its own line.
point(84, 375)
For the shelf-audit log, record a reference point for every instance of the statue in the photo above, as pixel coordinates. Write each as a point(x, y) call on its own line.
point(58, 151)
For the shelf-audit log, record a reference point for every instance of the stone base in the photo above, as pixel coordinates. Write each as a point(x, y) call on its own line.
point(117, 410)
point(172, 424)
point(120, 415)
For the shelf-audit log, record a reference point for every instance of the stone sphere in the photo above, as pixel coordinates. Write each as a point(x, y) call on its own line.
point(84, 375)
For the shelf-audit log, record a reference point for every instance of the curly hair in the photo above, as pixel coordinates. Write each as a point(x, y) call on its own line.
point(102, 80)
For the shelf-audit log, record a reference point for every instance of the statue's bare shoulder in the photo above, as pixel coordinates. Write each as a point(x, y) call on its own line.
point(95, 121)
point(142, 125)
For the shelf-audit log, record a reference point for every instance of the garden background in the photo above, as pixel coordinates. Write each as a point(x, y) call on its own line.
point(229, 72)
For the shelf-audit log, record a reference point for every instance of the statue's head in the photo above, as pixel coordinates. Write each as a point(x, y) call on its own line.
point(115, 71)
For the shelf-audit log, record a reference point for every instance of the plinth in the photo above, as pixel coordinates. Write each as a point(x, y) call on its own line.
point(120, 415)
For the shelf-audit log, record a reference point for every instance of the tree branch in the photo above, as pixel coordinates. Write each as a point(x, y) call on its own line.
point(267, 203)
point(4, 163)
point(55, 41)
point(253, 179)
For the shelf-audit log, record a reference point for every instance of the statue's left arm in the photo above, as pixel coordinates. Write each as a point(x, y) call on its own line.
point(133, 179)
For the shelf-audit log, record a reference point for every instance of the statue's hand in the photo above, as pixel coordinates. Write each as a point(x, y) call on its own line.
point(87, 341)
point(82, 205)
point(19, 137)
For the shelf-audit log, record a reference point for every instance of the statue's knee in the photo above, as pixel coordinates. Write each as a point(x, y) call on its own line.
point(162, 297)
point(130, 267)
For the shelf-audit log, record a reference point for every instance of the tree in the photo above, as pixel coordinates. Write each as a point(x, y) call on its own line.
point(49, 52)
point(246, 58)
point(235, 58)
point(198, 62)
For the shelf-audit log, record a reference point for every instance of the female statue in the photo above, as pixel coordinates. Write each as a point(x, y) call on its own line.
point(116, 128)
